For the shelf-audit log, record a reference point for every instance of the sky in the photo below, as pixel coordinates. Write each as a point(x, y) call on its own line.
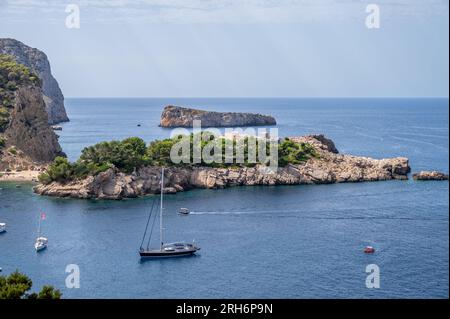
point(238, 48)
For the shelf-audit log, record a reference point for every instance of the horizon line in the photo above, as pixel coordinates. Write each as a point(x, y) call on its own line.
point(256, 97)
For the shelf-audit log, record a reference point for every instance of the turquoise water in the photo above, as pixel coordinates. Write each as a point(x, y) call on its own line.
point(283, 241)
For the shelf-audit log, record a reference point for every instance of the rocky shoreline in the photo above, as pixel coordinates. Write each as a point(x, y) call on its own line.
point(329, 167)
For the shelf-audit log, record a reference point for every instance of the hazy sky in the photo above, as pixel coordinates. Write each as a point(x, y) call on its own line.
point(229, 48)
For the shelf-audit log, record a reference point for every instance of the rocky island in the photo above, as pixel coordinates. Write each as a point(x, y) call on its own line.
point(176, 116)
point(37, 62)
point(430, 176)
point(311, 159)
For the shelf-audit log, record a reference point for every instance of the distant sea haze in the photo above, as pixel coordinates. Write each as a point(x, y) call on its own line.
point(301, 241)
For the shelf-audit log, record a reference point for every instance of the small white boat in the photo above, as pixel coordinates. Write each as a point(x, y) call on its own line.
point(57, 127)
point(2, 228)
point(184, 211)
point(41, 243)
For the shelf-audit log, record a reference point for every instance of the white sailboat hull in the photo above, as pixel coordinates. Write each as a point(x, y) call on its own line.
point(40, 247)
point(41, 243)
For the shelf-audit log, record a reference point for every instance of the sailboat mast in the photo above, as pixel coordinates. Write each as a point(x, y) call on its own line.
point(161, 210)
point(39, 227)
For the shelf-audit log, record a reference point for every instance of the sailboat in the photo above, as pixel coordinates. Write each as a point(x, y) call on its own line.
point(41, 242)
point(176, 249)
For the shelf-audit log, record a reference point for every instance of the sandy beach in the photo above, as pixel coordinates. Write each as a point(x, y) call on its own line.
point(19, 176)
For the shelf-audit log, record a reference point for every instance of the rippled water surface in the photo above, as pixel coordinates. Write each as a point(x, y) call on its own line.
point(282, 241)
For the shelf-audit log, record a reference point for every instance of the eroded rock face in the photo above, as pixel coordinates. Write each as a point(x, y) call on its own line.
point(37, 61)
point(175, 116)
point(430, 176)
point(28, 130)
point(319, 141)
point(330, 167)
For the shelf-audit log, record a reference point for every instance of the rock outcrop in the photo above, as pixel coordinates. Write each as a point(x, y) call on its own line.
point(26, 139)
point(29, 130)
point(430, 176)
point(175, 116)
point(37, 61)
point(329, 167)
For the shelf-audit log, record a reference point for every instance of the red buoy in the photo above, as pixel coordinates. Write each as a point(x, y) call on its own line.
point(369, 250)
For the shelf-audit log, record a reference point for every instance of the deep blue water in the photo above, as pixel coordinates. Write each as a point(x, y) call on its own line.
point(283, 241)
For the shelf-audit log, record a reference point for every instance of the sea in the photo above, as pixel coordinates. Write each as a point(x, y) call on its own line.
point(302, 241)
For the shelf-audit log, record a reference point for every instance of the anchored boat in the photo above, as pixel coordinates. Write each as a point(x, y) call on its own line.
point(2, 228)
point(41, 242)
point(175, 249)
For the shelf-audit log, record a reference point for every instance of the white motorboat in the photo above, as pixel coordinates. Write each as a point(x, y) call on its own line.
point(184, 211)
point(2, 228)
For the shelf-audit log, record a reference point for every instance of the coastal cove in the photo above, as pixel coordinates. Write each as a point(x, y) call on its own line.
point(328, 224)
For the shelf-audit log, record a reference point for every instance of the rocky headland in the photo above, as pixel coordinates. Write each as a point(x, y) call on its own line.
point(37, 62)
point(328, 167)
point(176, 116)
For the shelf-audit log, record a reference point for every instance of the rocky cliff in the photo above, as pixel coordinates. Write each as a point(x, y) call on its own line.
point(175, 116)
point(26, 139)
point(37, 61)
point(329, 167)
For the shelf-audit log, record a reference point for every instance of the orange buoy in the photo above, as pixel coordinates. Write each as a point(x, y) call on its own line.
point(369, 250)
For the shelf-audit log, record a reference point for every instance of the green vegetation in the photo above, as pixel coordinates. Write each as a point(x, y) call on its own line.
point(18, 285)
point(126, 155)
point(12, 150)
point(2, 142)
point(12, 75)
point(4, 118)
point(132, 153)
point(61, 170)
point(290, 152)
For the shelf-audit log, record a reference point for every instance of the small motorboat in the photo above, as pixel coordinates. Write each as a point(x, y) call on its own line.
point(369, 250)
point(184, 211)
point(41, 243)
point(2, 228)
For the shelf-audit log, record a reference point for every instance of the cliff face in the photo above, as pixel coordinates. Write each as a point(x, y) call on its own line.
point(26, 139)
point(175, 116)
point(329, 167)
point(37, 61)
point(29, 130)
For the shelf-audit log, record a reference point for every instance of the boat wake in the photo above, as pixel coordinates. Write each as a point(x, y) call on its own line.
point(319, 216)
